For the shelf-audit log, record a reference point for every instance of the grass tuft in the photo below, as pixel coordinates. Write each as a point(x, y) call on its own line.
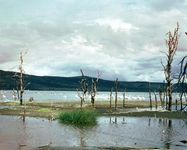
point(79, 117)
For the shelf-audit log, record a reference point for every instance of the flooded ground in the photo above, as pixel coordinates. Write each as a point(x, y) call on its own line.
point(38, 133)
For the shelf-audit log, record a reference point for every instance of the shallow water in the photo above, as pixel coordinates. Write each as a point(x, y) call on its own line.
point(110, 132)
point(58, 96)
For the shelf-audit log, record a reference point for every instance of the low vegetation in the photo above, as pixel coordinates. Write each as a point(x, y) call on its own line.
point(132, 108)
point(156, 114)
point(79, 117)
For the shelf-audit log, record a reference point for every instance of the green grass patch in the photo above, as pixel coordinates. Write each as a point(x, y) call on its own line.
point(79, 117)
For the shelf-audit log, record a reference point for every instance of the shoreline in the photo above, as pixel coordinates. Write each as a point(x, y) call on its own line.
point(52, 110)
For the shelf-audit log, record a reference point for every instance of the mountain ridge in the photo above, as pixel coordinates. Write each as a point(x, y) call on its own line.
point(73, 83)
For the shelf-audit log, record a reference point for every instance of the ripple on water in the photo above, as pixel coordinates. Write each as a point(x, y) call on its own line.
point(109, 132)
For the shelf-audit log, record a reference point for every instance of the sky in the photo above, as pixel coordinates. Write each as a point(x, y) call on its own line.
point(121, 39)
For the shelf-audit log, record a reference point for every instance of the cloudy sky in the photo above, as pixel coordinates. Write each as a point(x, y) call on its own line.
point(119, 38)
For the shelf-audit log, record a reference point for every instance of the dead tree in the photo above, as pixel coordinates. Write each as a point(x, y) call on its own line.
point(164, 95)
point(182, 81)
point(176, 104)
point(124, 98)
point(161, 97)
point(94, 89)
point(111, 97)
point(19, 77)
point(21, 80)
point(116, 92)
point(17, 86)
point(150, 99)
point(83, 88)
point(172, 44)
point(156, 102)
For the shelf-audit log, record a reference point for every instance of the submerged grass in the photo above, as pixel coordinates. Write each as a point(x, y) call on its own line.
point(79, 117)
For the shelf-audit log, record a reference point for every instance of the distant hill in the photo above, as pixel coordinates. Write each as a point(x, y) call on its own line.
point(72, 83)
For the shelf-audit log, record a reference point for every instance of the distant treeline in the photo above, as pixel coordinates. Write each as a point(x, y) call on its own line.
point(7, 82)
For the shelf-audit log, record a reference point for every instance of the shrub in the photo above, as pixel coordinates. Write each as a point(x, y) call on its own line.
point(79, 117)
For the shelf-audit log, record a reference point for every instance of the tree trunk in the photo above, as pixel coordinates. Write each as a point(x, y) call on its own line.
point(116, 93)
point(124, 98)
point(156, 104)
point(161, 98)
point(176, 104)
point(21, 79)
point(169, 85)
point(150, 99)
point(111, 98)
point(21, 98)
point(172, 44)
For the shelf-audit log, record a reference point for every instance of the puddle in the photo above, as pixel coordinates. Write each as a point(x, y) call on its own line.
point(37, 133)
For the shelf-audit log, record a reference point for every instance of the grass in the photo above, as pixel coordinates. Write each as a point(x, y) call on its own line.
point(44, 110)
point(79, 117)
point(158, 114)
point(37, 109)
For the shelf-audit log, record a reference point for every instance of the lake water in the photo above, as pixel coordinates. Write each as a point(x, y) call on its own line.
point(58, 96)
point(109, 132)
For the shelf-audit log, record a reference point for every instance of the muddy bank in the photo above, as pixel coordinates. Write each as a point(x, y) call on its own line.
point(147, 113)
point(52, 114)
point(51, 111)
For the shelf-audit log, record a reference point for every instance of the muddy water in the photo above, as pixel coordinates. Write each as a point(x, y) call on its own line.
point(110, 132)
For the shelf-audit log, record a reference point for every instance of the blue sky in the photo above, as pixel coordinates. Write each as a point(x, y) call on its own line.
point(119, 38)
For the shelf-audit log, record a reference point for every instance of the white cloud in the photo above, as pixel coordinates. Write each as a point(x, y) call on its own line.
point(120, 38)
point(117, 25)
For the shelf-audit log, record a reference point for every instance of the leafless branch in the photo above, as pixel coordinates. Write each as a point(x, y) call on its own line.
point(94, 88)
point(172, 43)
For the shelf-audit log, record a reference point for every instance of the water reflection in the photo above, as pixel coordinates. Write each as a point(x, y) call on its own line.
point(113, 120)
point(23, 135)
point(82, 139)
point(149, 122)
point(110, 132)
point(167, 132)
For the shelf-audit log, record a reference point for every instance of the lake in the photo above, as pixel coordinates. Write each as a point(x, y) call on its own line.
point(110, 132)
point(58, 96)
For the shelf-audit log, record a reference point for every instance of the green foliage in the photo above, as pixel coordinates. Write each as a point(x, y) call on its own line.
point(79, 117)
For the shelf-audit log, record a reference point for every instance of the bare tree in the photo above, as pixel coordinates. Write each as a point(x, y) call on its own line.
point(172, 44)
point(94, 89)
point(116, 92)
point(161, 97)
point(150, 98)
point(162, 94)
point(124, 95)
point(111, 97)
point(17, 86)
point(182, 81)
point(83, 88)
point(18, 77)
point(21, 80)
point(156, 102)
